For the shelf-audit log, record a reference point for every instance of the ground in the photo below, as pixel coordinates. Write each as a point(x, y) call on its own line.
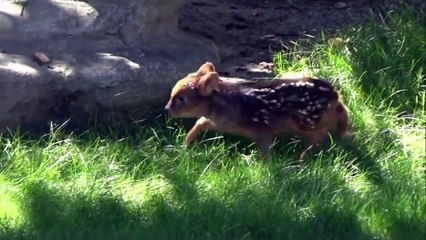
point(250, 31)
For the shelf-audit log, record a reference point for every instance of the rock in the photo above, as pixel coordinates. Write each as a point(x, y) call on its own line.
point(41, 58)
point(340, 5)
point(255, 13)
point(262, 67)
point(111, 60)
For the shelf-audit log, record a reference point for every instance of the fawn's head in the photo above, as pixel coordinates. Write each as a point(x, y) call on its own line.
point(190, 95)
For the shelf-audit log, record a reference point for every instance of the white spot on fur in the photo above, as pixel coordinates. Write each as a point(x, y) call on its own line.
point(324, 89)
point(302, 111)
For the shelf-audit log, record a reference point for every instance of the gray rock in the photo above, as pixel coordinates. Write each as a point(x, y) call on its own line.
point(109, 59)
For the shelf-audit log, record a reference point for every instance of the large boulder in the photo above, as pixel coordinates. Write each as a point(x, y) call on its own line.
point(112, 60)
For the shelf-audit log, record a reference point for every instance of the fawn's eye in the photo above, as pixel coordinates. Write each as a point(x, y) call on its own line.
point(180, 100)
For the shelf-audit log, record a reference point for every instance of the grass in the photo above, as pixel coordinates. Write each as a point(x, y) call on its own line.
point(143, 184)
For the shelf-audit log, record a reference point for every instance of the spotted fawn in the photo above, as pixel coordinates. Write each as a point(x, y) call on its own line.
point(260, 110)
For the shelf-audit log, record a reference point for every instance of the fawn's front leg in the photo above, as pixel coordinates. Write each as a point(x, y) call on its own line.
point(200, 126)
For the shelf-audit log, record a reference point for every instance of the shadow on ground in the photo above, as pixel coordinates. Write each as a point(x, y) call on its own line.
point(52, 215)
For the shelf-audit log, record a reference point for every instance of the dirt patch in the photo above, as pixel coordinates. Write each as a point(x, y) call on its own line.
point(248, 31)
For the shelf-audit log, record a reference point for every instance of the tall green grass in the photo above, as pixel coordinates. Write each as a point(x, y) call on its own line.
point(144, 184)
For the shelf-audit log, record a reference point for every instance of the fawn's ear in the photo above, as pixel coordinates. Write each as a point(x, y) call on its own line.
point(206, 68)
point(208, 83)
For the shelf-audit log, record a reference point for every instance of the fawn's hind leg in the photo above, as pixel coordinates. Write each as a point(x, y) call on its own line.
point(314, 138)
point(264, 143)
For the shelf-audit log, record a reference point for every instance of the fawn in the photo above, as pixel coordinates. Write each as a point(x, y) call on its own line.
point(259, 110)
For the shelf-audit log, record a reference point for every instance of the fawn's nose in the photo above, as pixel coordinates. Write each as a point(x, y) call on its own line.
point(168, 106)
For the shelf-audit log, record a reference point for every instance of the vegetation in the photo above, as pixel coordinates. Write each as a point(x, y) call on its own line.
point(144, 184)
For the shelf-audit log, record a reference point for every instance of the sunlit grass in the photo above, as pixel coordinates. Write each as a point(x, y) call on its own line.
point(9, 208)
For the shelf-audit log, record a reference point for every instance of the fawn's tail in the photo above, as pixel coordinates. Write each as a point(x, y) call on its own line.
point(342, 121)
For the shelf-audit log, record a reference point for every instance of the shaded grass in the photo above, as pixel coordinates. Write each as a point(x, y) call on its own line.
point(143, 184)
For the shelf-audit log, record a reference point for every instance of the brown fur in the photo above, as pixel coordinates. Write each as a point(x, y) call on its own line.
point(307, 107)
